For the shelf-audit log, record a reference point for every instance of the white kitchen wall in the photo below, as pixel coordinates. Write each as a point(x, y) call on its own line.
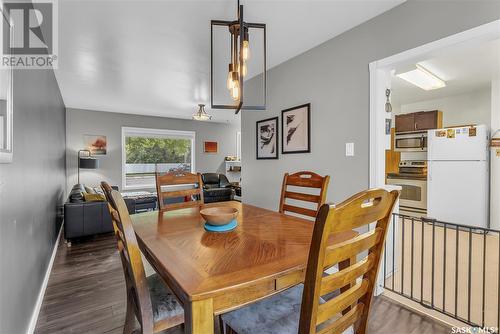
point(470, 108)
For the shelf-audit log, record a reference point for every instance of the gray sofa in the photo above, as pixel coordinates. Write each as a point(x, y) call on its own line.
point(85, 218)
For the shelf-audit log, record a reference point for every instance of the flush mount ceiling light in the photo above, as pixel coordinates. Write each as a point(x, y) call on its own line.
point(201, 114)
point(230, 54)
point(423, 78)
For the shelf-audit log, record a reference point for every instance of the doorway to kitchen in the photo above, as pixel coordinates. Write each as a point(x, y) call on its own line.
point(433, 113)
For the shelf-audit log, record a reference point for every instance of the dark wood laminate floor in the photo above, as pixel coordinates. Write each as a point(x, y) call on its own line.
point(86, 294)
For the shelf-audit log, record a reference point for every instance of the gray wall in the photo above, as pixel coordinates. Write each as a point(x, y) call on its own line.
point(334, 78)
point(80, 122)
point(30, 189)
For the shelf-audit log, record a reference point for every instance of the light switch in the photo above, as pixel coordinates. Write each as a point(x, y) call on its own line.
point(349, 149)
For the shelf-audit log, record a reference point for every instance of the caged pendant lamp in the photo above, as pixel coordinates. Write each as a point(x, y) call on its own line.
point(231, 44)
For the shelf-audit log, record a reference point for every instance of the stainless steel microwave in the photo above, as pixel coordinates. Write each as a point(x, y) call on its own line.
point(411, 142)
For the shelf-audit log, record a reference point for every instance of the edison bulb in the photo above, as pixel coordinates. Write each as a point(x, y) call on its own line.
point(245, 50)
point(230, 82)
point(235, 91)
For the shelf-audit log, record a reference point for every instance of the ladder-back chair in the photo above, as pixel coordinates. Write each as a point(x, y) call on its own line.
point(192, 197)
point(304, 179)
point(309, 308)
point(353, 303)
point(149, 300)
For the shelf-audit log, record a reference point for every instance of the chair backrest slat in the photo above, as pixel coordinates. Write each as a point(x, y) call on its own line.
point(180, 193)
point(130, 254)
point(302, 197)
point(353, 302)
point(299, 210)
point(339, 252)
point(343, 301)
point(304, 179)
point(340, 325)
point(346, 276)
point(175, 179)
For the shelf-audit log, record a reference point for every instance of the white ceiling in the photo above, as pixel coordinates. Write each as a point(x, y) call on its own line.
point(153, 57)
point(464, 68)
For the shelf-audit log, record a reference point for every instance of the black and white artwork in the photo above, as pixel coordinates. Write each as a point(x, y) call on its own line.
point(296, 125)
point(267, 138)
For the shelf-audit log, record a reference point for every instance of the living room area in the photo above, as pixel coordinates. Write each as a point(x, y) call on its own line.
point(127, 151)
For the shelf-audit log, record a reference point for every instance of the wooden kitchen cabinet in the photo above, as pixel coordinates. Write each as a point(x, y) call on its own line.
point(426, 120)
point(419, 121)
point(392, 158)
point(405, 122)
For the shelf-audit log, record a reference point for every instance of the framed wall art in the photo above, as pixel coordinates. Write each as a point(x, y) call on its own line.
point(296, 125)
point(210, 147)
point(267, 138)
point(96, 144)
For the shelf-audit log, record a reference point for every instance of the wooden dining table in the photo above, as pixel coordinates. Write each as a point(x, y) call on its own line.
point(213, 273)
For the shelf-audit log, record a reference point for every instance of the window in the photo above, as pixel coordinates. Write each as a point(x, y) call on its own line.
point(146, 150)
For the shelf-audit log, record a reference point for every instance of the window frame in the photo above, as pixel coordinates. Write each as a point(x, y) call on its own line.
point(163, 133)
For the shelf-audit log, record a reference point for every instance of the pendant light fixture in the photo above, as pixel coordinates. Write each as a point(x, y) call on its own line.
point(239, 33)
point(201, 114)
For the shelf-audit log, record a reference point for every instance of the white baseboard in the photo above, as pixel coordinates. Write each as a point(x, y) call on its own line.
point(38, 305)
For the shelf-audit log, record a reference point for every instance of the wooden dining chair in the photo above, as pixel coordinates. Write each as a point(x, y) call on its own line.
point(303, 179)
point(193, 197)
point(149, 300)
point(301, 308)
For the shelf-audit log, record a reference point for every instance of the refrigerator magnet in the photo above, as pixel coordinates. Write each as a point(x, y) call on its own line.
point(440, 133)
point(450, 133)
point(472, 131)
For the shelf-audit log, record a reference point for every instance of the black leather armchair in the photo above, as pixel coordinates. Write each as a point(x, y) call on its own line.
point(216, 188)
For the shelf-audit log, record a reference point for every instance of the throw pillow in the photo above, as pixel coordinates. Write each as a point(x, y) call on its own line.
point(94, 197)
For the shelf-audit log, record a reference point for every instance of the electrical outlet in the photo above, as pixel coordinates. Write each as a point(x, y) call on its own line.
point(349, 149)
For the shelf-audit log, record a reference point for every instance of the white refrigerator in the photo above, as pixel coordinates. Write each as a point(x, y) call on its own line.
point(458, 175)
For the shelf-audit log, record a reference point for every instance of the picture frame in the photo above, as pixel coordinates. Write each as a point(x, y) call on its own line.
point(388, 125)
point(296, 129)
point(96, 144)
point(266, 141)
point(210, 147)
